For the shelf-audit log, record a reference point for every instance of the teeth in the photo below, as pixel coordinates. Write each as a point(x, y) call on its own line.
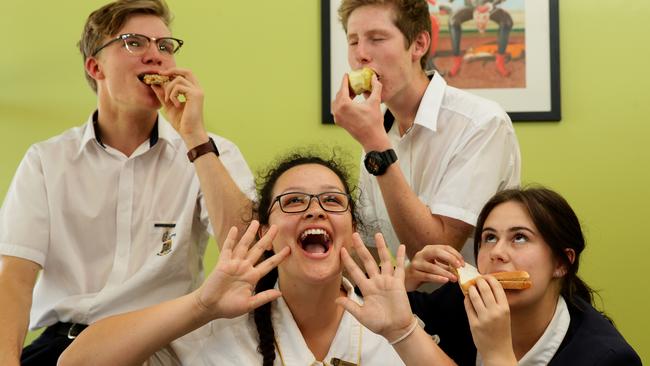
point(314, 232)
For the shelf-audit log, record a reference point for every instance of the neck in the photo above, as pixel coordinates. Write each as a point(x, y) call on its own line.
point(404, 105)
point(125, 130)
point(528, 324)
point(314, 311)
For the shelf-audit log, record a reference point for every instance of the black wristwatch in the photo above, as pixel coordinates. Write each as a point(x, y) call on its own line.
point(377, 162)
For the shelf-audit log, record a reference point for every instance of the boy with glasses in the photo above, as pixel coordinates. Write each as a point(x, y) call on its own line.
point(438, 154)
point(110, 213)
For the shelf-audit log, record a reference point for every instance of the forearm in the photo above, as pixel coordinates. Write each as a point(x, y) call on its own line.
point(227, 205)
point(131, 338)
point(17, 278)
point(419, 349)
point(412, 220)
point(14, 320)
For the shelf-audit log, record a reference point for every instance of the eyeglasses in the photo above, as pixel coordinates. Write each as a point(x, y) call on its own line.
point(293, 202)
point(137, 44)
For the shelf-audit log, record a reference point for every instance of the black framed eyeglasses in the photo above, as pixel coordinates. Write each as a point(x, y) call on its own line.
point(137, 44)
point(294, 202)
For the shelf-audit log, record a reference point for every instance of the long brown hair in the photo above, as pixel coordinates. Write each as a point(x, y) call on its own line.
point(557, 223)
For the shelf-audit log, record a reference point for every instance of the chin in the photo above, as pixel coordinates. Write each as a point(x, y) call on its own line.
point(315, 274)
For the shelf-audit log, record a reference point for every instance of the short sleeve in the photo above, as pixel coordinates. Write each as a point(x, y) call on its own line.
point(486, 162)
point(24, 217)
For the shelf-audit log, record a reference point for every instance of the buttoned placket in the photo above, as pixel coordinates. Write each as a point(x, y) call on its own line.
point(123, 221)
point(124, 216)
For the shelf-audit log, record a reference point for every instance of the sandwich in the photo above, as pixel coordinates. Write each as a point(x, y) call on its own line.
point(512, 280)
point(155, 79)
point(361, 80)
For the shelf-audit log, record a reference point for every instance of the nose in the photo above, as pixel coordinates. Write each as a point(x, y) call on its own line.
point(362, 54)
point(314, 210)
point(151, 55)
point(499, 252)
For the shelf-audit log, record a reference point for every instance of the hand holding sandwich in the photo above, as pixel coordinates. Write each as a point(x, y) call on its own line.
point(488, 313)
point(182, 101)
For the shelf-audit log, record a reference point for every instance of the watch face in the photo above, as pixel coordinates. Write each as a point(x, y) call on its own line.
point(377, 162)
point(372, 164)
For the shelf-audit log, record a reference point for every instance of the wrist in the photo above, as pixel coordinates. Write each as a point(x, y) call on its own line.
point(410, 282)
point(378, 144)
point(195, 139)
point(399, 334)
point(201, 310)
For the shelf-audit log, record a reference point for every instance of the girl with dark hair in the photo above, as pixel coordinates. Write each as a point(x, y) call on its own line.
point(552, 323)
point(305, 209)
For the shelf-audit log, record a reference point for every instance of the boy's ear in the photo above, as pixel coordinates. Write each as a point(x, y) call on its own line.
point(420, 46)
point(93, 68)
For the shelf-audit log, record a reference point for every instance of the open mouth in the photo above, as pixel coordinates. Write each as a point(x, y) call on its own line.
point(315, 241)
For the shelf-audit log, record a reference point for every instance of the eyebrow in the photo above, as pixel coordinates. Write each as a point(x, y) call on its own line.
point(326, 188)
point(370, 33)
point(512, 229)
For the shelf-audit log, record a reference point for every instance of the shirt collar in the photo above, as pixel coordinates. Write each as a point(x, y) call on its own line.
point(427, 114)
point(294, 349)
point(161, 130)
point(548, 344)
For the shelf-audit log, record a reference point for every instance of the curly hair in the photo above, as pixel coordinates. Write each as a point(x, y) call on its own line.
point(266, 183)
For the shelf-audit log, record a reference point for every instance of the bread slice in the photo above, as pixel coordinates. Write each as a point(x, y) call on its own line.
point(512, 280)
point(361, 80)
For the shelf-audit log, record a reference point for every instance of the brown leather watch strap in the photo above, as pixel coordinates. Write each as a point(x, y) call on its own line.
point(202, 149)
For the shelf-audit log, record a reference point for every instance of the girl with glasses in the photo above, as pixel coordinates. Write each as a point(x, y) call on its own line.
point(282, 311)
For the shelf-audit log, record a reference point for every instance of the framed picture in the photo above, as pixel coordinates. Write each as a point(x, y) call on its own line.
point(503, 50)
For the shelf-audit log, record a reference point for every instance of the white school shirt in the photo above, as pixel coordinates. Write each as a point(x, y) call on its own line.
point(112, 233)
point(547, 345)
point(461, 150)
point(234, 342)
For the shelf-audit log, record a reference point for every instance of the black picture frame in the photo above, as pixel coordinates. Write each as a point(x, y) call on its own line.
point(520, 112)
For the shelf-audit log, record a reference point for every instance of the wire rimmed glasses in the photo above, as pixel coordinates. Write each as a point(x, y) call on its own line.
point(137, 44)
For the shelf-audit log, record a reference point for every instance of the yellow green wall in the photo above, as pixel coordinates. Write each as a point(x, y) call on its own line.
point(259, 63)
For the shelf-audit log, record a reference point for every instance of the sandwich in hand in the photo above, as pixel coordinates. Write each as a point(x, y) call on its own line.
point(155, 79)
point(513, 280)
point(361, 80)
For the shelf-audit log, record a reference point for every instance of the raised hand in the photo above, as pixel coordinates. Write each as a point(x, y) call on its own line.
point(431, 264)
point(385, 310)
point(488, 313)
point(228, 291)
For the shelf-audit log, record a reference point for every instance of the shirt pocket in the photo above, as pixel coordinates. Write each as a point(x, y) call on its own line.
point(163, 237)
